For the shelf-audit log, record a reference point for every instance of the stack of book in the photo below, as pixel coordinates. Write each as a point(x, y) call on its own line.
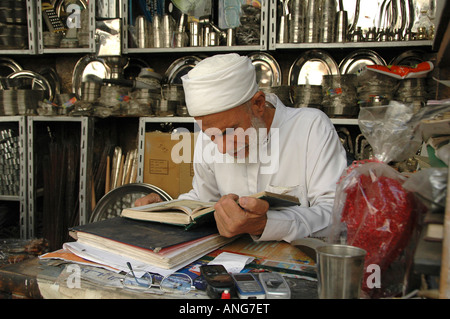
point(165, 236)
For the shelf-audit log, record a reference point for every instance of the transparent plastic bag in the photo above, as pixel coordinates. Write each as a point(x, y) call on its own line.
point(374, 212)
point(372, 209)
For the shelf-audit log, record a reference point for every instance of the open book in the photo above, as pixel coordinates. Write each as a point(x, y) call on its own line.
point(189, 212)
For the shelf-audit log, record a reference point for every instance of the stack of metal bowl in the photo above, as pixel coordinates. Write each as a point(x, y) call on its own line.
point(375, 89)
point(13, 24)
point(20, 102)
point(339, 95)
point(172, 101)
point(90, 91)
point(306, 95)
point(282, 91)
point(412, 90)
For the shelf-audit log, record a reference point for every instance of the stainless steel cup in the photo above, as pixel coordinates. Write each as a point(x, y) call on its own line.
point(231, 37)
point(312, 21)
point(142, 32)
point(340, 271)
point(296, 21)
point(328, 20)
point(157, 32)
point(194, 34)
point(341, 26)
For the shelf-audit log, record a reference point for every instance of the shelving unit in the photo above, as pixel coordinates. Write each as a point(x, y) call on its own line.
point(26, 124)
point(19, 123)
point(31, 25)
point(86, 152)
point(40, 33)
point(261, 47)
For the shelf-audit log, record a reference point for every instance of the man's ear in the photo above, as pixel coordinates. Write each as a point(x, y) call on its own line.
point(258, 103)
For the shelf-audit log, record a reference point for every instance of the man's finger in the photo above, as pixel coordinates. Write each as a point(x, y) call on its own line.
point(252, 204)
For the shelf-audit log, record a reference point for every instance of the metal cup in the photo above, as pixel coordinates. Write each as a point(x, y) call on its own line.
point(157, 32)
point(142, 32)
point(231, 37)
point(340, 271)
point(194, 33)
point(341, 26)
point(296, 21)
point(312, 21)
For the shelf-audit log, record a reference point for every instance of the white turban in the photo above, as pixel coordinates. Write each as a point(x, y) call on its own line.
point(219, 83)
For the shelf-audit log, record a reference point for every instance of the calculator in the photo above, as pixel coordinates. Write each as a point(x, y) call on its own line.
point(53, 22)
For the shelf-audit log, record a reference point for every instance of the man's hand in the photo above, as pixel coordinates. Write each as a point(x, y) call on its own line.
point(148, 199)
point(250, 216)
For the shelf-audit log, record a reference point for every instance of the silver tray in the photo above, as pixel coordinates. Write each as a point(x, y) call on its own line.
point(311, 66)
point(409, 58)
point(38, 82)
point(268, 71)
point(87, 66)
point(60, 6)
point(355, 62)
point(53, 79)
point(179, 68)
point(8, 66)
point(112, 203)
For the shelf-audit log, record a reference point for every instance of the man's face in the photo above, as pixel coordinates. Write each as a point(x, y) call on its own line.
point(234, 131)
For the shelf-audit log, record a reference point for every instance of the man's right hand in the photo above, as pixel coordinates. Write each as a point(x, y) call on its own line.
point(148, 199)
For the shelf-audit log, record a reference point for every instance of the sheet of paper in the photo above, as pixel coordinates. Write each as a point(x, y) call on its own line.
point(233, 263)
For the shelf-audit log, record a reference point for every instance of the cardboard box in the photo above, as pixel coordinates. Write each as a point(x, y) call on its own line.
point(168, 160)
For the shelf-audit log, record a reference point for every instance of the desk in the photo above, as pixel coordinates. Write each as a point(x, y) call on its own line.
point(34, 278)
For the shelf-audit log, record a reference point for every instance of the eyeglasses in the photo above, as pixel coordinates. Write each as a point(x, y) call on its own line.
point(177, 283)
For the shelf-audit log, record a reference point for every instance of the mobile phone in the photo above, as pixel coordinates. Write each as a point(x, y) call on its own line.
point(217, 280)
point(248, 286)
point(275, 285)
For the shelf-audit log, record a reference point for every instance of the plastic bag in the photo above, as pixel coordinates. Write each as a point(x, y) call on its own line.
point(374, 212)
point(372, 209)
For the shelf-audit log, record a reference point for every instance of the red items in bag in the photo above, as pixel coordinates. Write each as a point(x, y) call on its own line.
point(379, 214)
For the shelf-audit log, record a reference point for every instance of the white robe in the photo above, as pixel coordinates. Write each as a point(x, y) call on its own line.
point(311, 161)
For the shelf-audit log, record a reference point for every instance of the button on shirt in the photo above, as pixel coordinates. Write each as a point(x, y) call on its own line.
point(301, 152)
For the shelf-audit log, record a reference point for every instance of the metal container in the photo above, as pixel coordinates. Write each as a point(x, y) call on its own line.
point(142, 32)
point(157, 32)
point(312, 21)
point(231, 37)
point(194, 29)
point(327, 21)
point(341, 26)
point(340, 271)
point(297, 21)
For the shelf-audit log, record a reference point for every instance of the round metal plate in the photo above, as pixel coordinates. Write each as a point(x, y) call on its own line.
point(268, 71)
point(310, 67)
point(111, 204)
point(409, 58)
point(179, 68)
point(85, 67)
point(38, 82)
point(355, 62)
point(8, 66)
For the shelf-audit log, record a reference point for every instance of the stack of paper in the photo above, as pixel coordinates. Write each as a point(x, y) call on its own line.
point(149, 247)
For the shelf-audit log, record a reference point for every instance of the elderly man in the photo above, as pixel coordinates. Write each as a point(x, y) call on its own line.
point(255, 143)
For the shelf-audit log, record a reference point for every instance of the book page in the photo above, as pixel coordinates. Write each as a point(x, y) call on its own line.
point(188, 206)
